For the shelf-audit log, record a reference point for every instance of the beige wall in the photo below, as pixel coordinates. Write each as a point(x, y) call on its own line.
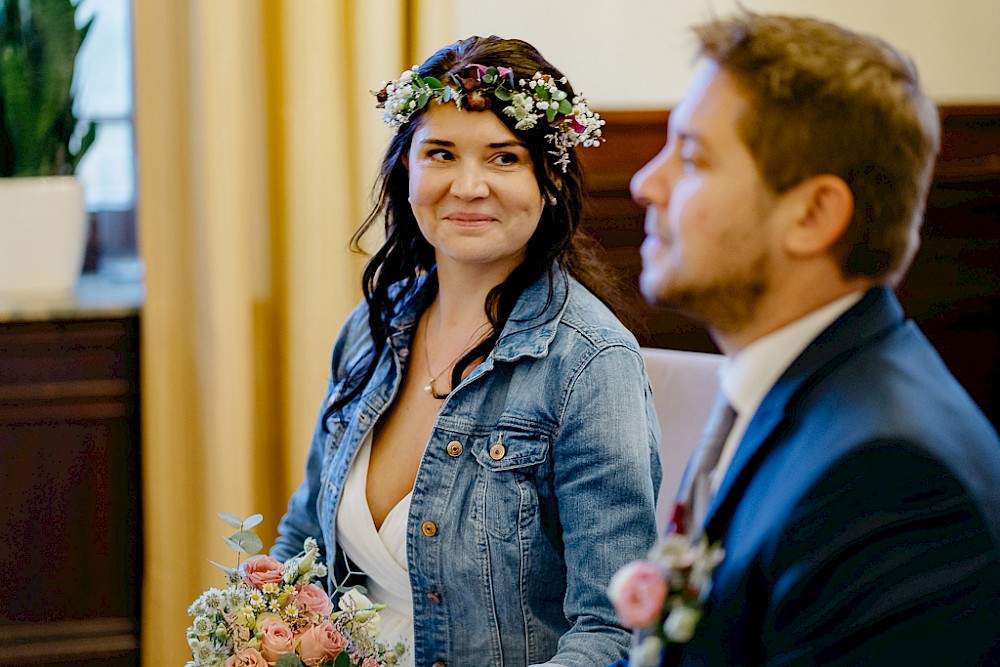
point(628, 54)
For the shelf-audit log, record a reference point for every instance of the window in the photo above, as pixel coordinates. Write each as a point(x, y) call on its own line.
point(107, 171)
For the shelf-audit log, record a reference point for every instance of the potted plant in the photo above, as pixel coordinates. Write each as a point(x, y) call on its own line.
point(42, 218)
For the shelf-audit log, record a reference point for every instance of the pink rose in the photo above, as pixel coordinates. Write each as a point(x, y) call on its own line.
point(370, 662)
point(320, 642)
point(248, 657)
point(263, 570)
point(277, 640)
point(638, 592)
point(313, 599)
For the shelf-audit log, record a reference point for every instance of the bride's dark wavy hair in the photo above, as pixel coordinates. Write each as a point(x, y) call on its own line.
point(406, 255)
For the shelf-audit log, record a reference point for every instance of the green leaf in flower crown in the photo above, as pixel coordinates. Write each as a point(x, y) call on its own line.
point(252, 521)
point(231, 519)
point(432, 83)
point(291, 660)
point(245, 541)
point(503, 94)
point(490, 75)
point(565, 107)
point(422, 100)
point(542, 93)
point(551, 112)
point(446, 95)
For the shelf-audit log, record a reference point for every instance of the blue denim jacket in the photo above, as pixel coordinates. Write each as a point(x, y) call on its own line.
point(510, 549)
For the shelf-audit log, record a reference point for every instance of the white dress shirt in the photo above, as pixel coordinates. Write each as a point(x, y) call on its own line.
point(747, 377)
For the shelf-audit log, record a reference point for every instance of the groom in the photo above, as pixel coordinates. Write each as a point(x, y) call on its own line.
point(857, 495)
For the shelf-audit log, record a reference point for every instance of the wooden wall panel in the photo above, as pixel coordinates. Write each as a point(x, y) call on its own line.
point(952, 290)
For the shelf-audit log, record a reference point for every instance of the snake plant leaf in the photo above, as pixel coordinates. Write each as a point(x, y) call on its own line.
point(39, 43)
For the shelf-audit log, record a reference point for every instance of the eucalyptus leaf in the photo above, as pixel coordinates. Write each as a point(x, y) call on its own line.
point(551, 112)
point(433, 83)
point(542, 93)
point(422, 100)
point(231, 519)
point(252, 521)
point(291, 660)
point(359, 588)
point(503, 94)
point(565, 107)
point(227, 570)
point(446, 95)
point(245, 541)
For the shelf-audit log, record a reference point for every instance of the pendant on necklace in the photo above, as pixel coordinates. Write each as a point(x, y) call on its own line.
point(429, 387)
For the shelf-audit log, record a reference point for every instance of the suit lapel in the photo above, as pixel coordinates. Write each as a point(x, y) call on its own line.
point(876, 314)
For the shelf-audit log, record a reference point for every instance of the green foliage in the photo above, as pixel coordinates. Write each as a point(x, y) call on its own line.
point(289, 660)
point(243, 541)
point(39, 42)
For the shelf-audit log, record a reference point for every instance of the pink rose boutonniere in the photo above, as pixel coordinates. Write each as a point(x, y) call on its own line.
point(271, 614)
point(662, 597)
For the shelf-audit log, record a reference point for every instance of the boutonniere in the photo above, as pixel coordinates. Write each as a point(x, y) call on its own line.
point(662, 597)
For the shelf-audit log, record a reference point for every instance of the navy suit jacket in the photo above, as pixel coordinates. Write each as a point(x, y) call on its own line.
point(860, 514)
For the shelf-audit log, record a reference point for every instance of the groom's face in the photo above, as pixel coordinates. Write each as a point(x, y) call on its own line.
point(708, 241)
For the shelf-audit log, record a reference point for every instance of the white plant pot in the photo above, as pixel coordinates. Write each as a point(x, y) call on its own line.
point(43, 232)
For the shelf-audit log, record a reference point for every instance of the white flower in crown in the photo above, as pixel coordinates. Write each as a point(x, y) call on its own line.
point(528, 102)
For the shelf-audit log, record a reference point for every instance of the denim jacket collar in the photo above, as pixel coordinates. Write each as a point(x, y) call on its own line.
point(529, 329)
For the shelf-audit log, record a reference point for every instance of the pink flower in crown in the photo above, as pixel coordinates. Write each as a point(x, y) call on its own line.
point(638, 592)
point(575, 125)
point(248, 657)
point(277, 640)
point(263, 570)
point(313, 600)
point(320, 642)
point(370, 662)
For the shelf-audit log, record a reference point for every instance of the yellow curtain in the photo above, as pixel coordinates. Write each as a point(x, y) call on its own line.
point(257, 147)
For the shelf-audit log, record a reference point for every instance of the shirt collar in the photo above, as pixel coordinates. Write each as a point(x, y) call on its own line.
point(746, 377)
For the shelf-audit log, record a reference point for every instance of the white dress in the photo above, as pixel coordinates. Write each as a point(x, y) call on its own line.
point(381, 554)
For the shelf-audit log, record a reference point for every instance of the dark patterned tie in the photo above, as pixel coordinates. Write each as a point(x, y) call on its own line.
point(695, 494)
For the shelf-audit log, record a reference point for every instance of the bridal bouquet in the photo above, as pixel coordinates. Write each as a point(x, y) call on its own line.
point(271, 613)
point(661, 598)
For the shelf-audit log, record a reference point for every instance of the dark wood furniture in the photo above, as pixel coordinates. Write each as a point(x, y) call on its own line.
point(952, 290)
point(70, 516)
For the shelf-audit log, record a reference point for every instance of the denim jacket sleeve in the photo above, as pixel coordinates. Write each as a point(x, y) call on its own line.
point(606, 465)
point(301, 519)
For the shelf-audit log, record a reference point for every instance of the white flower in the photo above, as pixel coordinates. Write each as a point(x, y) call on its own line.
point(353, 600)
point(647, 653)
point(681, 623)
point(203, 625)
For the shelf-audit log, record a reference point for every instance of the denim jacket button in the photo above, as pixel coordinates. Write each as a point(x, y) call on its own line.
point(454, 449)
point(434, 597)
point(429, 528)
point(497, 451)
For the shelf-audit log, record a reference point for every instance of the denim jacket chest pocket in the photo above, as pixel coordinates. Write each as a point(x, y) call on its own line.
point(512, 460)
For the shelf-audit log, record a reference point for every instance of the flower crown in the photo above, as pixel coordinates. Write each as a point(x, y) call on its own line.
point(529, 102)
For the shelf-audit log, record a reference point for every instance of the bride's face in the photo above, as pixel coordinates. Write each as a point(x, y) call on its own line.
point(472, 188)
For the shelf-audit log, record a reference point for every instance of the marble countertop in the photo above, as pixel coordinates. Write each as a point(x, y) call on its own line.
point(96, 296)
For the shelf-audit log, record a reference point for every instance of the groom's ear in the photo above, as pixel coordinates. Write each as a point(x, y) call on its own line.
point(822, 208)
